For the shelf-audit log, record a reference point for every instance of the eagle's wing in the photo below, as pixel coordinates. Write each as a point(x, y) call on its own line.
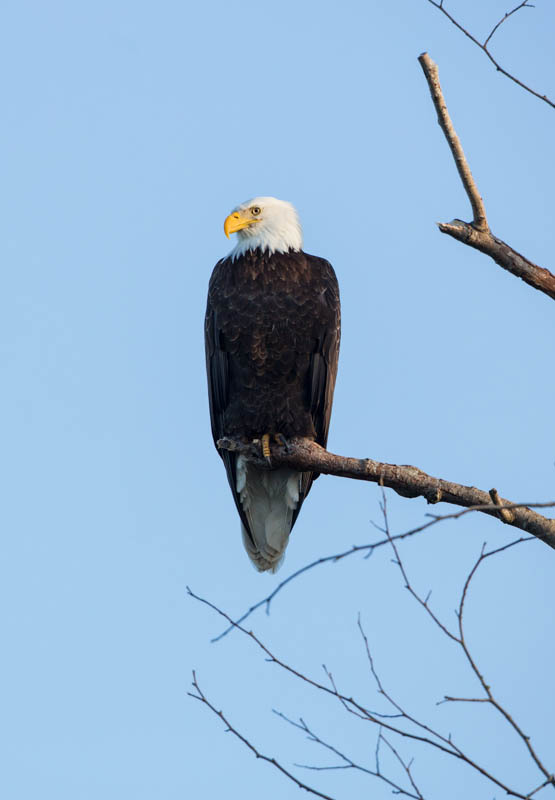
point(217, 370)
point(323, 365)
point(323, 362)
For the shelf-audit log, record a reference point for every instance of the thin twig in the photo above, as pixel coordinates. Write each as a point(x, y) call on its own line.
point(406, 768)
point(348, 762)
point(448, 699)
point(401, 711)
point(549, 782)
point(369, 549)
point(423, 602)
point(203, 699)
point(334, 559)
point(484, 48)
point(524, 4)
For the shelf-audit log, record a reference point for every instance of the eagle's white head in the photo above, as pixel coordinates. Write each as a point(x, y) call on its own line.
point(265, 223)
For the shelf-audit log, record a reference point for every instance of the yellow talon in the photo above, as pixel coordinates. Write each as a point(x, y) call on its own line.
point(266, 445)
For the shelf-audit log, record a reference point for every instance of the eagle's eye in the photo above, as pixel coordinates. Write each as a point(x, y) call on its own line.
point(255, 210)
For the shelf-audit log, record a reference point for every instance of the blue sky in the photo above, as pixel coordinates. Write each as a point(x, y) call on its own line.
point(130, 130)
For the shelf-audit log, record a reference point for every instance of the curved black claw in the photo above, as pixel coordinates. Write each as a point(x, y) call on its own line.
point(280, 439)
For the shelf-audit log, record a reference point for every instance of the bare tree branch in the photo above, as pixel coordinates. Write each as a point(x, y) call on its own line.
point(444, 121)
point(394, 724)
point(524, 4)
point(484, 45)
point(477, 233)
point(203, 699)
point(368, 549)
point(402, 723)
point(461, 640)
point(307, 456)
point(485, 685)
point(406, 767)
point(349, 703)
point(363, 548)
point(348, 762)
point(548, 782)
point(503, 254)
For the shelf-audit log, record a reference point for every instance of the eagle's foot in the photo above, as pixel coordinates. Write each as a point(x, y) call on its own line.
point(265, 444)
point(265, 440)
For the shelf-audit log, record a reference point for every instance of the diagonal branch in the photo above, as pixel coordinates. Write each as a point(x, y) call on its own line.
point(368, 549)
point(307, 456)
point(524, 4)
point(503, 254)
point(477, 233)
point(444, 121)
point(199, 695)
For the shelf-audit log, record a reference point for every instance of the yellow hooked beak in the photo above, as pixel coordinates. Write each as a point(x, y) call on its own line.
point(237, 221)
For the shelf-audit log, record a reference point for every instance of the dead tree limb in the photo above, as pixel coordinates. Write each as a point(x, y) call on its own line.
point(503, 254)
point(307, 456)
point(477, 233)
point(479, 221)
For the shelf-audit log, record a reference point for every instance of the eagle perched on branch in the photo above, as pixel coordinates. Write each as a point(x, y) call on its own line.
point(272, 334)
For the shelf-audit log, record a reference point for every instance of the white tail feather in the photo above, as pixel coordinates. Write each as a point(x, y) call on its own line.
point(269, 498)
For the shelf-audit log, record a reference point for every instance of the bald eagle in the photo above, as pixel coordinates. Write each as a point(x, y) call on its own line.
point(272, 334)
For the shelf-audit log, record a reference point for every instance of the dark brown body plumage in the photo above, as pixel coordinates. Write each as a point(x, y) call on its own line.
point(272, 344)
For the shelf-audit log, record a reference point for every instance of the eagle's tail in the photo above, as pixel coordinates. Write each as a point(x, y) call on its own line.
point(268, 498)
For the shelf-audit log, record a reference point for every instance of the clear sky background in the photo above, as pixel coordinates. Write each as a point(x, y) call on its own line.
point(129, 130)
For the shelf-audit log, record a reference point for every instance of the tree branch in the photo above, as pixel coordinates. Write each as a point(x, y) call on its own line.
point(524, 4)
point(477, 233)
point(199, 695)
point(444, 121)
point(503, 254)
point(307, 456)
point(349, 763)
point(423, 734)
point(460, 639)
point(485, 685)
point(484, 45)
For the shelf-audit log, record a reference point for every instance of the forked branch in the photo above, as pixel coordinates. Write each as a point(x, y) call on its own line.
point(484, 45)
point(477, 233)
point(198, 694)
